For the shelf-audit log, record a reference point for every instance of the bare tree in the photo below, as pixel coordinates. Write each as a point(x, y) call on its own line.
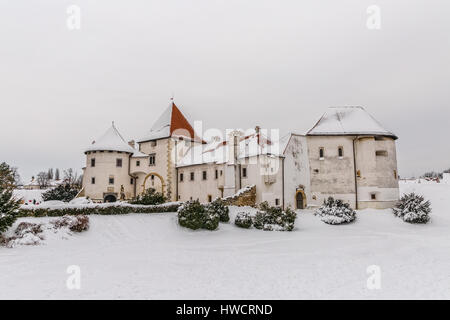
point(72, 178)
point(43, 180)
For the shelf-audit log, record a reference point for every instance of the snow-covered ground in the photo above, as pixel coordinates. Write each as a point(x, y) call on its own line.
point(148, 256)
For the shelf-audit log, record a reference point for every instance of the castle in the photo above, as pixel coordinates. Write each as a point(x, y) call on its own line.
point(347, 155)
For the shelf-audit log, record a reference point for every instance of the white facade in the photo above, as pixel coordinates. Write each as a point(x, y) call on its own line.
point(346, 155)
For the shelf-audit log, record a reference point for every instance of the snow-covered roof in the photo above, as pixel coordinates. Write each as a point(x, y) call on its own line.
point(217, 152)
point(138, 154)
point(348, 121)
point(171, 123)
point(111, 140)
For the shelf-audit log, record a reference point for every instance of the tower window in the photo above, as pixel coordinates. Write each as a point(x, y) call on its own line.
point(204, 175)
point(111, 180)
point(209, 198)
point(138, 163)
point(341, 152)
point(131, 181)
point(152, 159)
point(217, 174)
point(153, 143)
point(244, 172)
point(93, 162)
point(373, 196)
point(382, 153)
point(277, 202)
point(395, 174)
point(321, 153)
point(181, 177)
point(93, 180)
point(192, 176)
point(119, 163)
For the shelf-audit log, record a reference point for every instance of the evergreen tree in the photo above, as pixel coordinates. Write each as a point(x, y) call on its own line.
point(57, 176)
point(8, 205)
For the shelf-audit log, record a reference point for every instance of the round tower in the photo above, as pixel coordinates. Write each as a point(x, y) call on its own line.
point(106, 176)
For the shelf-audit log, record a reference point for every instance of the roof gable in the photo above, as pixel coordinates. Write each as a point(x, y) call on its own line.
point(171, 123)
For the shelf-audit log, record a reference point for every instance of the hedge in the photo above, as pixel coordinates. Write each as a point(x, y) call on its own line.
point(101, 209)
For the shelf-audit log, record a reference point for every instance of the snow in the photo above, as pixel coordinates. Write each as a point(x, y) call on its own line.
point(111, 140)
point(148, 256)
point(161, 128)
point(28, 195)
point(348, 121)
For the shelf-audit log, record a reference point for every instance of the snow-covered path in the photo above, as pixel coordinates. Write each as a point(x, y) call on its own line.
point(151, 257)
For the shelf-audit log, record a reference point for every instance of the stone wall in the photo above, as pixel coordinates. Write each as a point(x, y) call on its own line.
point(244, 197)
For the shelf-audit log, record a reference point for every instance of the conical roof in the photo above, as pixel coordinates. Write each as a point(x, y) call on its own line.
point(171, 123)
point(348, 121)
point(111, 140)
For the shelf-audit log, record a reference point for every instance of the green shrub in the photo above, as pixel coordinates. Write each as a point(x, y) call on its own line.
point(219, 207)
point(274, 218)
point(413, 208)
point(243, 220)
point(100, 209)
point(335, 212)
point(150, 197)
point(64, 192)
point(194, 215)
point(8, 205)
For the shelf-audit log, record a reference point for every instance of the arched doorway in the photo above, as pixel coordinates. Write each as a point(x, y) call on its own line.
point(152, 176)
point(110, 198)
point(300, 199)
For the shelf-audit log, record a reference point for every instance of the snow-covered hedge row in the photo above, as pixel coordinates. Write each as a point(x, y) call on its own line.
point(335, 212)
point(267, 218)
point(100, 209)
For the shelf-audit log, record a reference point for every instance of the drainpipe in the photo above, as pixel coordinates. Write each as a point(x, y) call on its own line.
point(133, 177)
point(355, 172)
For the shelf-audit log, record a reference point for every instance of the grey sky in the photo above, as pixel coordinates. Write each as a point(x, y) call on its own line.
point(230, 63)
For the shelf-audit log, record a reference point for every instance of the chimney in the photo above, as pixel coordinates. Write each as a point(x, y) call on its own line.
point(257, 129)
point(131, 143)
point(233, 144)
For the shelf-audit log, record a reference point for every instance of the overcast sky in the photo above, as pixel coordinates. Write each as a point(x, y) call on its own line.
point(277, 64)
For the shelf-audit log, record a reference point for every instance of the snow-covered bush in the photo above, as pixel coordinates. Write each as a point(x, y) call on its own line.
point(150, 197)
point(63, 192)
point(8, 205)
point(26, 233)
point(219, 207)
point(335, 212)
point(413, 208)
point(74, 223)
point(193, 215)
point(274, 218)
point(243, 220)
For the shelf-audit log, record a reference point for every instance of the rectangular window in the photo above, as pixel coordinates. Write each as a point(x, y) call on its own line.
point(217, 174)
point(153, 143)
point(93, 180)
point(152, 159)
point(138, 163)
point(111, 180)
point(204, 175)
point(221, 172)
point(209, 198)
point(192, 176)
point(395, 174)
point(373, 196)
point(119, 163)
point(341, 152)
point(93, 162)
point(131, 181)
point(244, 172)
point(277, 202)
point(181, 177)
point(381, 153)
point(321, 153)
